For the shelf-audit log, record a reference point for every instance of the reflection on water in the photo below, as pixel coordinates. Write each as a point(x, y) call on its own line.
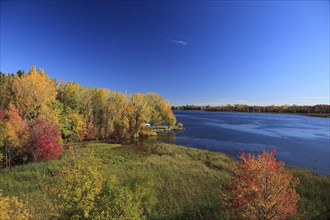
point(299, 140)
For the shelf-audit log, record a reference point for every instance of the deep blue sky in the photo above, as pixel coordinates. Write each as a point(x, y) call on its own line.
point(255, 52)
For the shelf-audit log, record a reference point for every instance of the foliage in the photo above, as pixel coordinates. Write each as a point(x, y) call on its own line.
point(13, 135)
point(6, 90)
point(11, 208)
point(83, 113)
point(185, 181)
point(262, 189)
point(121, 121)
point(77, 185)
point(139, 113)
point(160, 110)
point(34, 94)
point(116, 202)
point(72, 124)
point(44, 140)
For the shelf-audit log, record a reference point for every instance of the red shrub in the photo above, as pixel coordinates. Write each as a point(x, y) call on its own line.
point(262, 189)
point(43, 140)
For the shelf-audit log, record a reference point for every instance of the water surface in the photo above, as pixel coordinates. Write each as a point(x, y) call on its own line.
point(299, 140)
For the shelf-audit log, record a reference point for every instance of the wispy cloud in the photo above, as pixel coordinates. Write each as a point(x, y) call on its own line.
point(181, 42)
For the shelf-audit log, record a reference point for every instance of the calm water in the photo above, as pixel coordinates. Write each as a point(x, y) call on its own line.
point(299, 140)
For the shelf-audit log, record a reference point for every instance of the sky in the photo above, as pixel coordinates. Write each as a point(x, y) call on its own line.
point(198, 52)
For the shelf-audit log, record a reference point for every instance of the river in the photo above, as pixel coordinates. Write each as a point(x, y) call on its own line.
point(299, 140)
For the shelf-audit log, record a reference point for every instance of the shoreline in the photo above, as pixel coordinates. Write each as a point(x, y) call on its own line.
point(150, 140)
point(319, 115)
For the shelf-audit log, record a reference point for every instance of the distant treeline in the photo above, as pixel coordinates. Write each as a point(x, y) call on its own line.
point(301, 109)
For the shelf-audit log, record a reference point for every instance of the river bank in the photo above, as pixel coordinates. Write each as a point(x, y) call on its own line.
point(321, 115)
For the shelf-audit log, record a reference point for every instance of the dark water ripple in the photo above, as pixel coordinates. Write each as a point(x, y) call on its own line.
point(299, 140)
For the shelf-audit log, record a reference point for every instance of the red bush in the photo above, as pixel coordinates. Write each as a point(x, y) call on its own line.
point(262, 189)
point(43, 140)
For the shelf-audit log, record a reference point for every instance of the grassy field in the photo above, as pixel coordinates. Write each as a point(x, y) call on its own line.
point(173, 182)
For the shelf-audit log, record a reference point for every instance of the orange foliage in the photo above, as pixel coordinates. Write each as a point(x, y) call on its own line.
point(262, 189)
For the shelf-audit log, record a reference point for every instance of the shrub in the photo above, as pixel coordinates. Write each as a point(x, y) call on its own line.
point(262, 188)
point(11, 208)
point(77, 185)
point(44, 140)
point(116, 202)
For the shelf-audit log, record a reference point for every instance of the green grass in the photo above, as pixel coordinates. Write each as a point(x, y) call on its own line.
point(173, 182)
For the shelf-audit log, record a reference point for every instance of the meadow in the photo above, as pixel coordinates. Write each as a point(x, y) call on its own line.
point(172, 182)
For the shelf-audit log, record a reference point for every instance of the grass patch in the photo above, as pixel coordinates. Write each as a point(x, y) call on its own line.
point(173, 182)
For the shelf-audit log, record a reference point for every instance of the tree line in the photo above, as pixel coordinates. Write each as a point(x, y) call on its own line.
point(38, 114)
point(305, 109)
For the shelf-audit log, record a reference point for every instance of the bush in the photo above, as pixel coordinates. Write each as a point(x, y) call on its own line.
point(262, 189)
point(77, 185)
point(116, 202)
point(44, 140)
point(147, 133)
point(11, 208)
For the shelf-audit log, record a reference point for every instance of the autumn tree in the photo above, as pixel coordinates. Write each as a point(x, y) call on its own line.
point(35, 94)
point(139, 113)
point(6, 91)
point(2, 133)
point(72, 124)
point(121, 118)
point(102, 115)
point(76, 111)
point(87, 112)
point(44, 140)
point(261, 188)
point(161, 111)
point(13, 134)
point(70, 94)
point(167, 114)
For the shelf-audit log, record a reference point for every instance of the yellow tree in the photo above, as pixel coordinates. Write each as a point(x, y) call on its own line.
point(167, 114)
point(139, 113)
point(121, 121)
point(35, 94)
point(161, 111)
point(86, 109)
point(101, 119)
